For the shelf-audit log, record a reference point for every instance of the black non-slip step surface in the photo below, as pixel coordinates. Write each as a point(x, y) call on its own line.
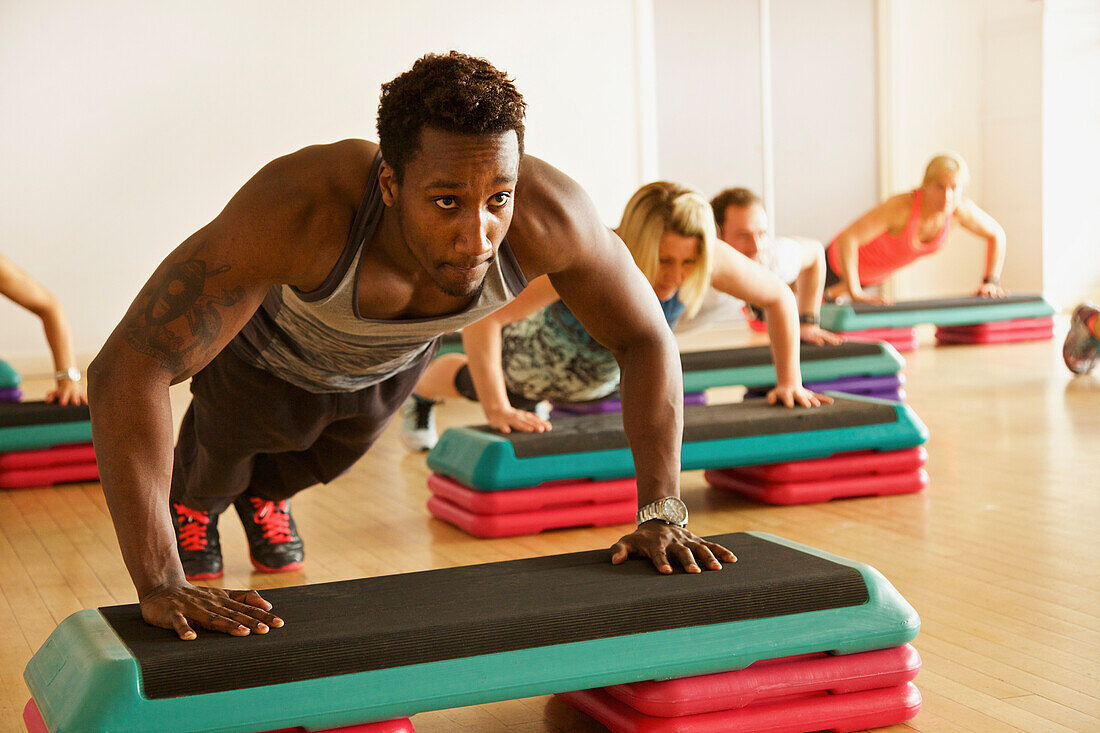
point(19, 414)
point(586, 433)
point(398, 620)
point(697, 361)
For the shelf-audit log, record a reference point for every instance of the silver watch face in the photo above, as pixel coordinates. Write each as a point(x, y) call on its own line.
point(673, 510)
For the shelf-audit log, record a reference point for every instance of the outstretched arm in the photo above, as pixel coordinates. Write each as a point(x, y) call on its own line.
point(977, 221)
point(809, 287)
point(482, 343)
point(744, 279)
point(557, 231)
point(891, 213)
point(27, 292)
point(194, 303)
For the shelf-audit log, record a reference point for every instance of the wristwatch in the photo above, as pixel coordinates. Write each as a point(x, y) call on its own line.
point(809, 319)
point(668, 509)
point(72, 373)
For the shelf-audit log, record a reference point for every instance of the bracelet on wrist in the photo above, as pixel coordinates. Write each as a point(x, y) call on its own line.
point(809, 319)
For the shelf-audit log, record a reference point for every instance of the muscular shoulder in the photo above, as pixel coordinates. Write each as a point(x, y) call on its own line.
point(552, 220)
point(298, 208)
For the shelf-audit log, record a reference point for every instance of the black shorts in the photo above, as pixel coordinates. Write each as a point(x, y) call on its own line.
point(246, 429)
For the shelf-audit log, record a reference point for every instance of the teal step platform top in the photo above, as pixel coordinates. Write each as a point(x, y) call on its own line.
point(389, 647)
point(8, 376)
point(37, 425)
point(715, 436)
point(939, 312)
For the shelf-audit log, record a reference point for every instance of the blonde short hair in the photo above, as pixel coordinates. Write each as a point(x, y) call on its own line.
point(952, 162)
point(661, 207)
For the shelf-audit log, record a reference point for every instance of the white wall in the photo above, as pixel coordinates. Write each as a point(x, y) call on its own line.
point(823, 104)
point(127, 125)
point(823, 91)
point(1071, 150)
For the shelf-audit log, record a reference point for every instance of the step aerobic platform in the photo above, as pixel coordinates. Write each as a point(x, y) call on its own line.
point(352, 652)
point(998, 332)
point(715, 436)
point(852, 711)
point(35, 425)
point(529, 511)
point(886, 387)
point(60, 464)
point(9, 378)
point(10, 394)
point(939, 312)
point(752, 367)
point(903, 339)
point(771, 678)
point(611, 404)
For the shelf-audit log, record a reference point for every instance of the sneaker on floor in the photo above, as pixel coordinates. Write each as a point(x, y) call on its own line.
point(1081, 347)
point(197, 541)
point(418, 424)
point(273, 540)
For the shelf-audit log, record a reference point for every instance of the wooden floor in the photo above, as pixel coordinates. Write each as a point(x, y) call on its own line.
point(1000, 555)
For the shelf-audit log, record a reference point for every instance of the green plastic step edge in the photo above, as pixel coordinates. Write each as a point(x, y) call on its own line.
point(887, 361)
point(8, 376)
point(844, 318)
point(487, 461)
point(84, 678)
point(34, 437)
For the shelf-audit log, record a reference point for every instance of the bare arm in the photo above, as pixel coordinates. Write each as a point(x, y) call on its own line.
point(975, 220)
point(196, 301)
point(27, 292)
point(482, 343)
point(557, 231)
point(809, 287)
point(890, 214)
point(746, 280)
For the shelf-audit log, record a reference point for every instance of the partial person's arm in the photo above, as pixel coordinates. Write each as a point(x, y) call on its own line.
point(975, 220)
point(891, 213)
point(557, 231)
point(482, 342)
point(29, 293)
point(194, 303)
point(809, 288)
point(744, 279)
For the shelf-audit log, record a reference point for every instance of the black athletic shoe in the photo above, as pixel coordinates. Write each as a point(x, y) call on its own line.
point(197, 541)
point(273, 540)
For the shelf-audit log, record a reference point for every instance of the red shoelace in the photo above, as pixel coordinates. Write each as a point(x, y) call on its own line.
point(193, 524)
point(274, 517)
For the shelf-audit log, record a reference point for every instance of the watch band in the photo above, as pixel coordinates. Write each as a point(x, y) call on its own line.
point(809, 319)
point(668, 509)
point(72, 373)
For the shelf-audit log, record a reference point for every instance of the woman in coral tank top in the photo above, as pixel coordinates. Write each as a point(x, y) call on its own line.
point(912, 225)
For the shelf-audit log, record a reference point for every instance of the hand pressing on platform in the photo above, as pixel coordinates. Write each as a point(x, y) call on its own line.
point(797, 395)
point(506, 419)
point(810, 333)
point(234, 612)
point(992, 290)
point(662, 543)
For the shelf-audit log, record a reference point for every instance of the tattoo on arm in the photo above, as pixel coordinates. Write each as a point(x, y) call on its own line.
point(175, 317)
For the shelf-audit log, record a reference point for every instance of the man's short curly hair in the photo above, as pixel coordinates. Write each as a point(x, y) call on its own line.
point(452, 93)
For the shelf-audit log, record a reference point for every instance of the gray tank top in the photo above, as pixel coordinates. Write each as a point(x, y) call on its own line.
point(317, 340)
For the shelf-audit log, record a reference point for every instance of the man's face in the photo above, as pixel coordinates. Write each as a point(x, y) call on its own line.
point(744, 227)
point(454, 204)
